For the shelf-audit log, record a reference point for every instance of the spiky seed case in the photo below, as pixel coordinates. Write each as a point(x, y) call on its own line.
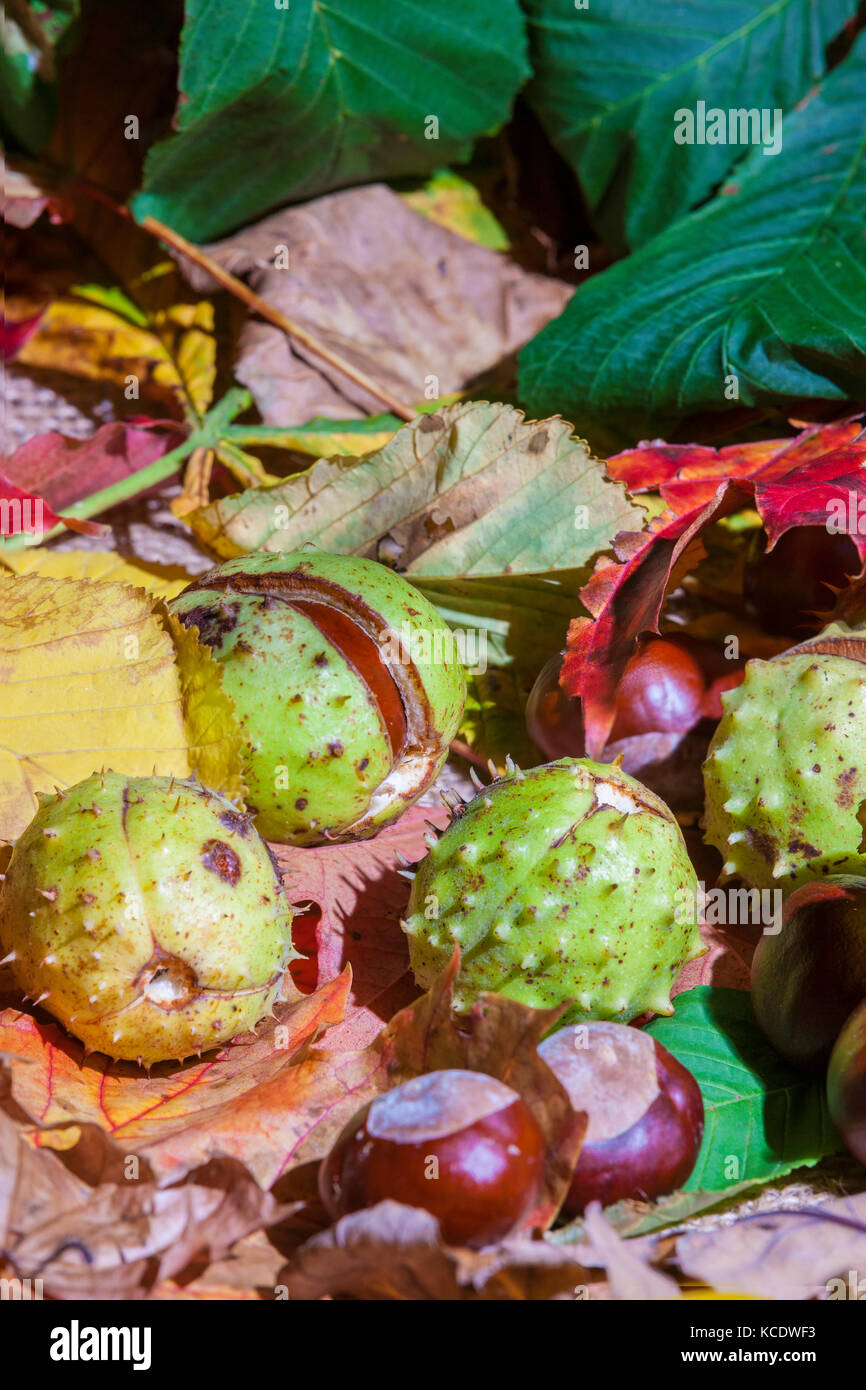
point(785, 773)
point(322, 763)
point(568, 882)
point(146, 915)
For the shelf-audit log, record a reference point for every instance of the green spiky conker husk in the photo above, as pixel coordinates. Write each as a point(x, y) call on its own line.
point(319, 763)
point(569, 882)
point(146, 915)
point(785, 773)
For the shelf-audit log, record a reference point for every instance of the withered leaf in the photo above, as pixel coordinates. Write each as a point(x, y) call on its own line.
point(473, 490)
point(395, 1252)
point(814, 1252)
point(405, 300)
point(95, 676)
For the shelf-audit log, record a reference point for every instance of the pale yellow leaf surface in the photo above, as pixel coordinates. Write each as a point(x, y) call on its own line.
point(89, 678)
point(165, 581)
point(213, 733)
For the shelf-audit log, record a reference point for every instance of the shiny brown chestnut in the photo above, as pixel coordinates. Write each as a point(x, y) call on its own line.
point(460, 1144)
point(646, 1112)
point(554, 720)
point(669, 685)
point(808, 977)
point(661, 691)
point(846, 1083)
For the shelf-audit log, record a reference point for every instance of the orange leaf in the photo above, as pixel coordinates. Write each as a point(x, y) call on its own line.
point(236, 1103)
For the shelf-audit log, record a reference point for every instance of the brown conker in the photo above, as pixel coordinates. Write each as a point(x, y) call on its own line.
point(808, 977)
point(846, 1083)
point(661, 691)
point(669, 685)
point(553, 719)
point(646, 1112)
point(460, 1144)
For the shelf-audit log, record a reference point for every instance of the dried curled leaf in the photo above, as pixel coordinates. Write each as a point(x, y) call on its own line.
point(114, 1235)
point(245, 1103)
point(395, 1252)
point(360, 285)
point(629, 1274)
point(813, 1252)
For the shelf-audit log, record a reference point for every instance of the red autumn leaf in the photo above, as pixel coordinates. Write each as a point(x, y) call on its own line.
point(791, 483)
point(727, 963)
point(63, 470)
point(688, 475)
point(23, 513)
point(359, 897)
point(625, 600)
point(15, 332)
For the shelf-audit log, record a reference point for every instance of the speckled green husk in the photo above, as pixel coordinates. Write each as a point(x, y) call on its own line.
point(146, 915)
point(318, 764)
point(785, 774)
point(567, 882)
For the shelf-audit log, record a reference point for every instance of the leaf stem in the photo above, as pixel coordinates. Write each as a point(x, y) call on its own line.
point(207, 436)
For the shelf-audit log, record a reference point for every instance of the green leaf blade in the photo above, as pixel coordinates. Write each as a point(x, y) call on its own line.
point(610, 77)
point(766, 284)
point(320, 95)
point(762, 1118)
point(472, 491)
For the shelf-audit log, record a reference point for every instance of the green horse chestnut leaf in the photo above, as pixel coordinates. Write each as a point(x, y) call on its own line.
point(347, 684)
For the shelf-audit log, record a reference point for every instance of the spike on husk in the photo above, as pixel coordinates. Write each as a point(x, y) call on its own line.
point(536, 907)
point(165, 939)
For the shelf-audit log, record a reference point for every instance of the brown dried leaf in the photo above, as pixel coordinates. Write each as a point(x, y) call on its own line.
point(628, 1273)
point(120, 1239)
point(250, 1102)
point(390, 291)
point(786, 1254)
point(395, 1252)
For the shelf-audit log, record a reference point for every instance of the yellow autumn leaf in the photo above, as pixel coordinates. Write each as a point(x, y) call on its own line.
point(92, 678)
point(454, 202)
point(165, 353)
point(213, 733)
point(165, 581)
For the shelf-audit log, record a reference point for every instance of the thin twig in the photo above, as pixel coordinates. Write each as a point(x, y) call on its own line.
point(463, 750)
point(254, 301)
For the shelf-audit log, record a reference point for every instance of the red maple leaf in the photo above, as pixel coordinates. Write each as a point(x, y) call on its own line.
point(817, 478)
